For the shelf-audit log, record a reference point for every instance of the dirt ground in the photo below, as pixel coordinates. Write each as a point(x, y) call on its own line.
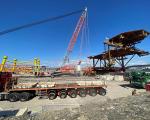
point(126, 108)
point(114, 90)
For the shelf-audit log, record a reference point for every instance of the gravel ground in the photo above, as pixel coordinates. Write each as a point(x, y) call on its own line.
point(127, 108)
point(70, 108)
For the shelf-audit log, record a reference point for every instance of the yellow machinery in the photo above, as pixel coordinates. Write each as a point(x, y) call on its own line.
point(20, 67)
point(2, 67)
point(36, 66)
point(14, 65)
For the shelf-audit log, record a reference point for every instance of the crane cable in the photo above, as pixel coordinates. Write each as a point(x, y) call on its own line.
point(82, 39)
point(88, 37)
point(85, 42)
point(38, 22)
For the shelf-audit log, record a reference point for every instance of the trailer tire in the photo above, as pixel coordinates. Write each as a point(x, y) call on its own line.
point(73, 93)
point(102, 91)
point(92, 92)
point(3, 97)
point(82, 93)
point(52, 95)
point(32, 95)
point(63, 94)
point(24, 96)
point(13, 97)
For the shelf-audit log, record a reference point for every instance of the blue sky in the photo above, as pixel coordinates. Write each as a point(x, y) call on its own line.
point(49, 41)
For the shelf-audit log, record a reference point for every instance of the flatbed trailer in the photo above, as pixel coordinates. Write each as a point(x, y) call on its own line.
point(15, 93)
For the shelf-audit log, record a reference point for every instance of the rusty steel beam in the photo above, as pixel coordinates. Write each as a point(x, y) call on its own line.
point(127, 38)
point(120, 53)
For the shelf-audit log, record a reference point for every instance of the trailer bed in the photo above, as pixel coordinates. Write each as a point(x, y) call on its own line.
point(59, 85)
point(26, 88)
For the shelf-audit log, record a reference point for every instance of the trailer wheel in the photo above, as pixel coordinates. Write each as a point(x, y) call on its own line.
point(73, 93)
point(13, 97)
point(92, 92)
point(32, 95)
point(24, 96)
point(82, 93)
point(63, 94)
point(52, 95)
point(102, 91)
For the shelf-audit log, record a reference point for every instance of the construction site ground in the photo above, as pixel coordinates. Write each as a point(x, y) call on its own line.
point(115, 89)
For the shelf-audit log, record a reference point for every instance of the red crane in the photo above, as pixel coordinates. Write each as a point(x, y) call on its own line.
point(70, 68)
point(75, 35)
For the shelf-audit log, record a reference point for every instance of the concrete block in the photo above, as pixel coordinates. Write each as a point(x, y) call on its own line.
point(1, 109)
point(45, 84)
point(22, 112)
point(86, 83)
point(107, 77)
point(118, 78)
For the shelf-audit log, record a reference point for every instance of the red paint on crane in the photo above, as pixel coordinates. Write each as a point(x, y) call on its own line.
point(75, 35)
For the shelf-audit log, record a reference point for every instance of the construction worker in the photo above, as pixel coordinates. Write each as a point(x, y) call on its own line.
point(78, 69)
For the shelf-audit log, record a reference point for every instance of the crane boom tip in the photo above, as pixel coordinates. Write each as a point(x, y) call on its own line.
point(85, 9)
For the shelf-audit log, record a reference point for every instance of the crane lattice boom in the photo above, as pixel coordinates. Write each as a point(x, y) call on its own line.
point(75, 35)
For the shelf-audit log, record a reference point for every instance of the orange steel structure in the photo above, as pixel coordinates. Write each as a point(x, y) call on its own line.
point(117, 49)
point(18, 67)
